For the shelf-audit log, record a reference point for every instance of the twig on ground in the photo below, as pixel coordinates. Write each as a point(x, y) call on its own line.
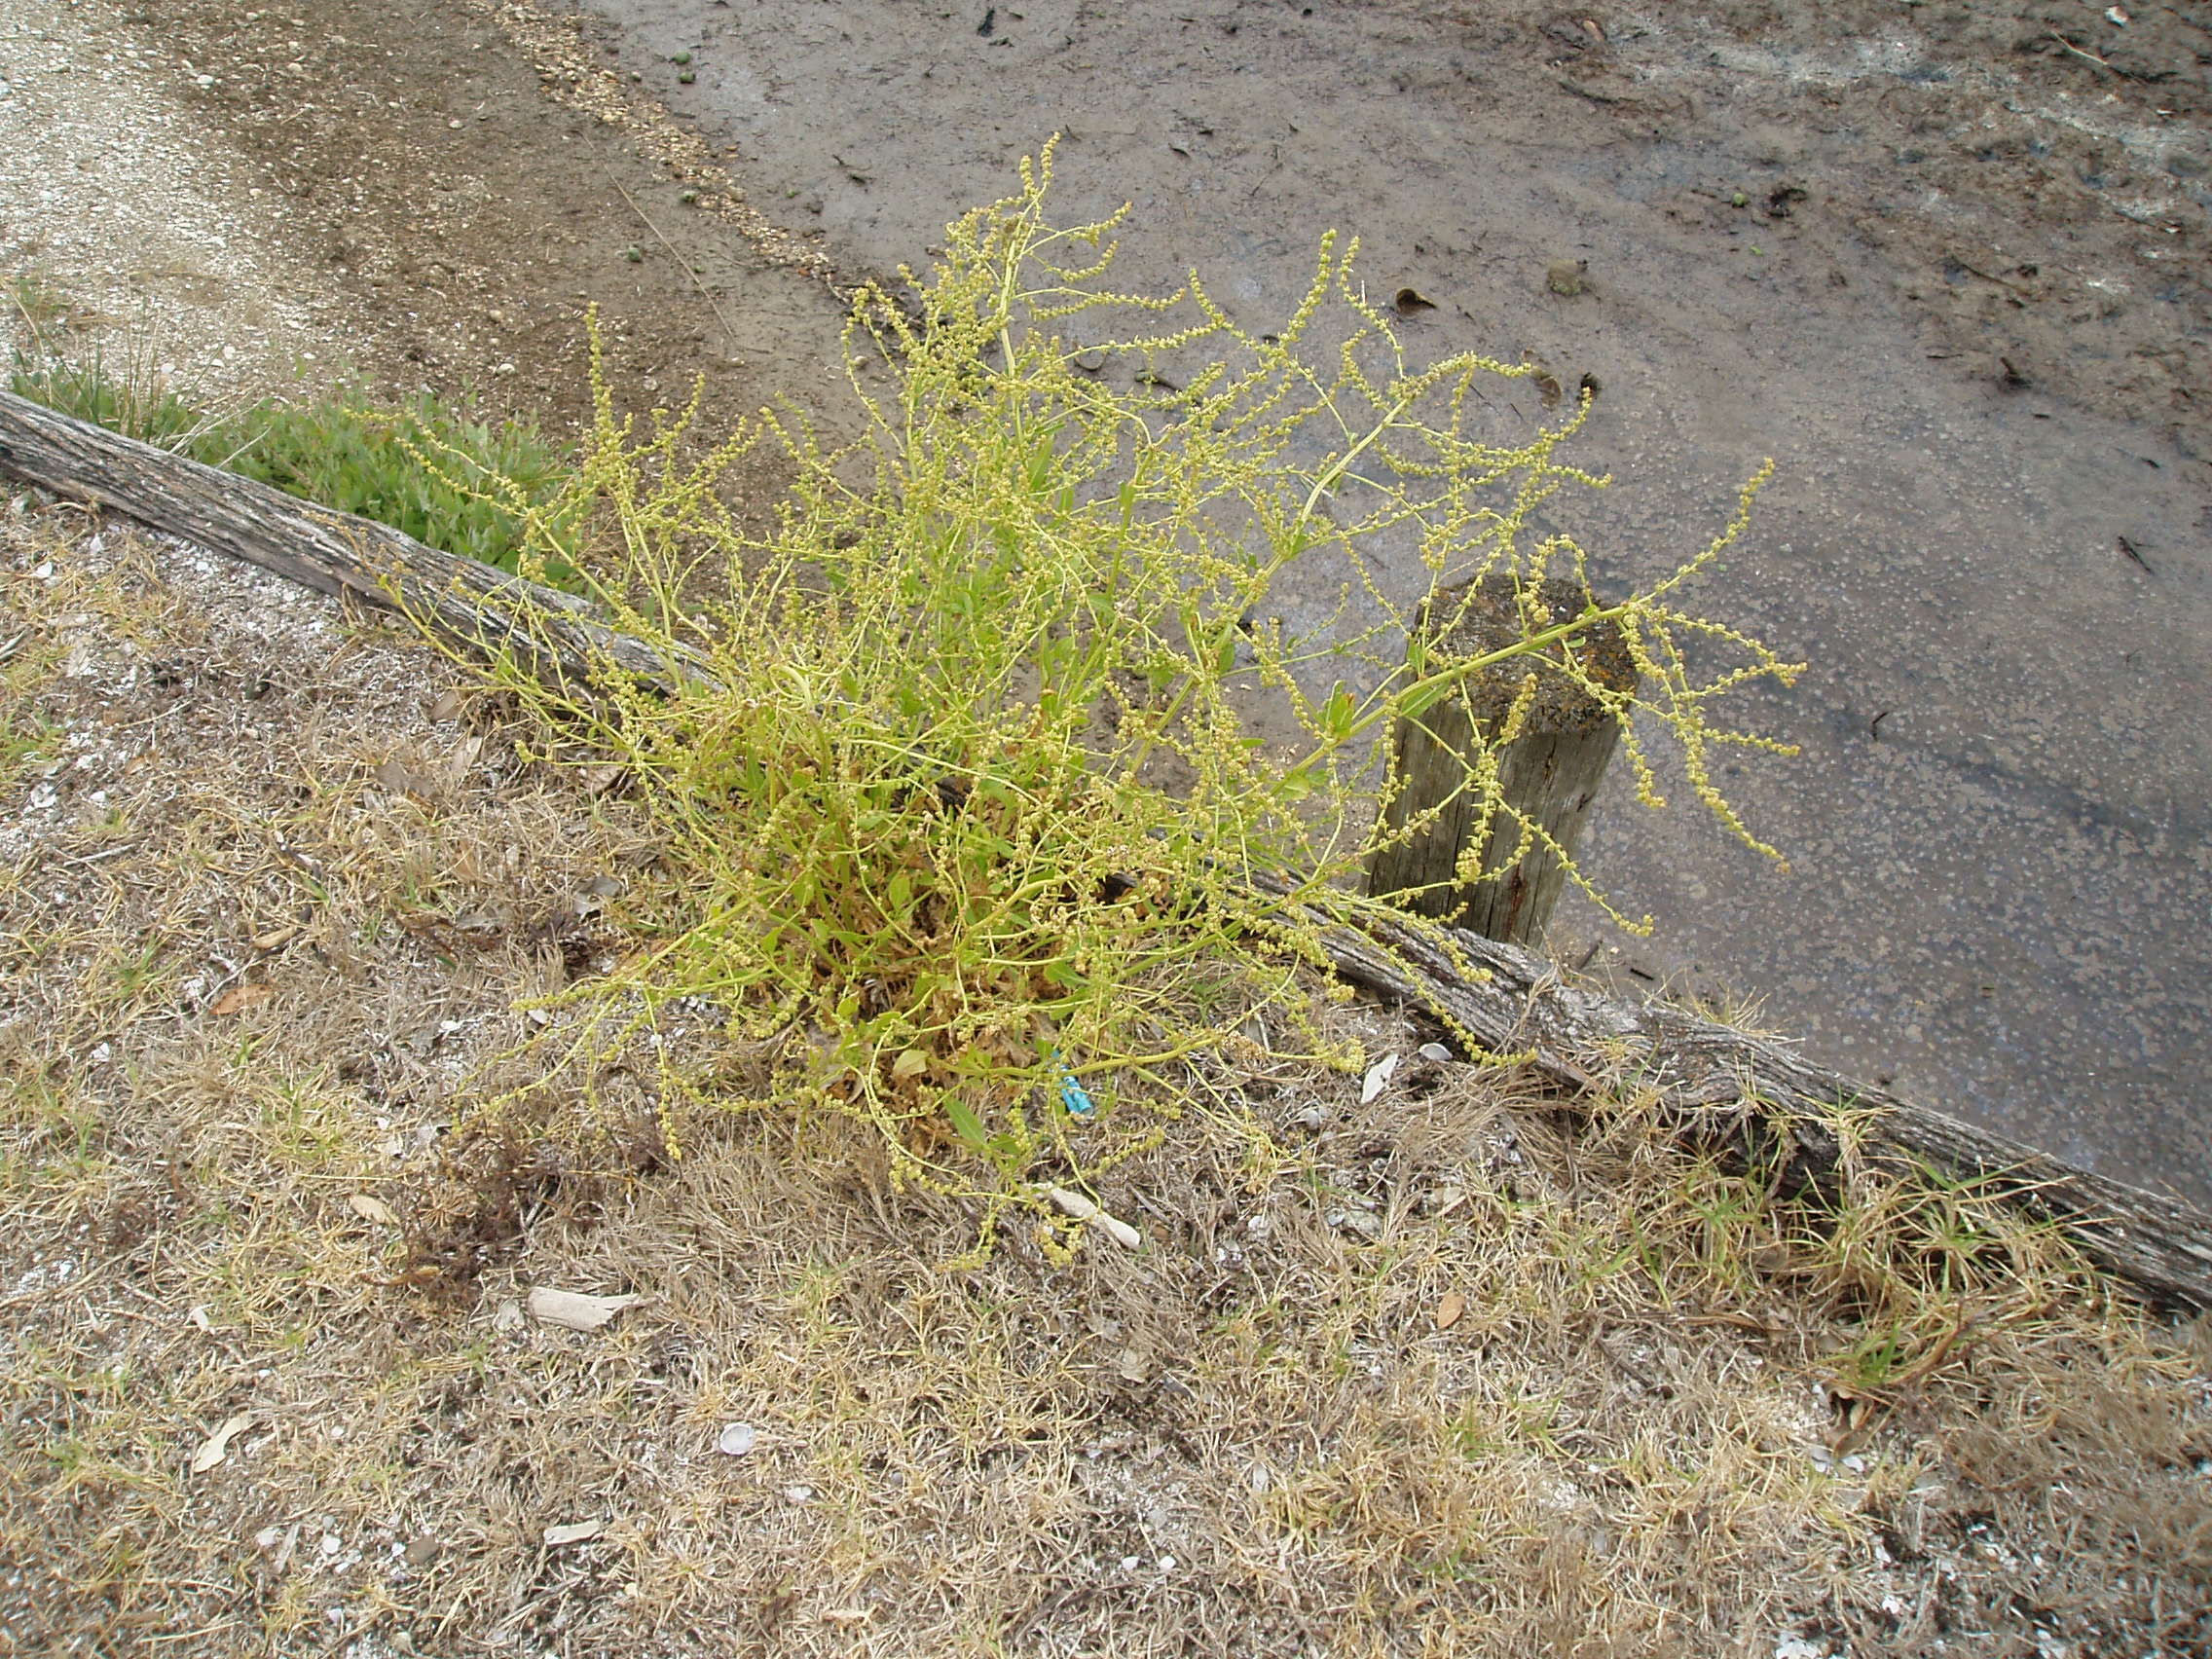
point(697, 282)
point(2101, 64)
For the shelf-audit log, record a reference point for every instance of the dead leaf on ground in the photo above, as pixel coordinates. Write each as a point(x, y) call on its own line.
point(575, 1532)
point(1083, 1209)
point(370, 1208)
point(1861, 1417)
point(238, 998)
point(576, 1309)
point(463, 758)
point(1546, 382)
point(1411, 301)
point(217, 1446)
point(399, 778)
point(1450, 1308)
point(275, 938)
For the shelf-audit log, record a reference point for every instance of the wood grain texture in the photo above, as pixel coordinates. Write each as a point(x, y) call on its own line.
point(1549, 772)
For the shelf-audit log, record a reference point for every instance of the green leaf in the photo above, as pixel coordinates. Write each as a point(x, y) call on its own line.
point(964, 1124)
point(1422, 697)
point(1338, 712)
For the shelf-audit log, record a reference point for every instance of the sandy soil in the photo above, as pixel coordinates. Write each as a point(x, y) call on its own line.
point(422, 201)
point(166, 243)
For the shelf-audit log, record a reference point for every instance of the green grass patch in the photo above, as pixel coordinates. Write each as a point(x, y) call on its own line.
point(419, 466)
point(422, 466)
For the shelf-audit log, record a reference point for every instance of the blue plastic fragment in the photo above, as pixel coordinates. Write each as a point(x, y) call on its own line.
point(1072, 1095)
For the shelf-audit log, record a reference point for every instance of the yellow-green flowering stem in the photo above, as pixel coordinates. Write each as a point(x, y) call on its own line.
point(985, 674)
point(1389, 704)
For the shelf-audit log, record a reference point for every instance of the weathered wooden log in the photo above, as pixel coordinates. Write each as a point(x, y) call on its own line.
point(1718, 1086)
point(1548, 773)
point(1710, 1081)
point(551, 635)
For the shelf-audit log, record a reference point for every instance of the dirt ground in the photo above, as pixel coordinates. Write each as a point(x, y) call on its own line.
point(1451, 1370)
point(1457, 1369)
point(414, 195)
point(1945, 263)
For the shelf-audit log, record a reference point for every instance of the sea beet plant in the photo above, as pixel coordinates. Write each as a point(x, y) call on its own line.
point(965, 819)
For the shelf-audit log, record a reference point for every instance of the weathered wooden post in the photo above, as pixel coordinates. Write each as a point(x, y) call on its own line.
point(1550, 771)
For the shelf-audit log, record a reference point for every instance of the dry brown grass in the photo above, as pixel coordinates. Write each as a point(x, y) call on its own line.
point(1672, 1412)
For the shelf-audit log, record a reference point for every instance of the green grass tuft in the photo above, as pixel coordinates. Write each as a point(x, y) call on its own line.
point(420, 466)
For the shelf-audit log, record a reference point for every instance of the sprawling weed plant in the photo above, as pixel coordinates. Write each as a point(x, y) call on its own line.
point(973, 827)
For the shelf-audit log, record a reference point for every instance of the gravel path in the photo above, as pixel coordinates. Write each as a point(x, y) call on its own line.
point(113, 192)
